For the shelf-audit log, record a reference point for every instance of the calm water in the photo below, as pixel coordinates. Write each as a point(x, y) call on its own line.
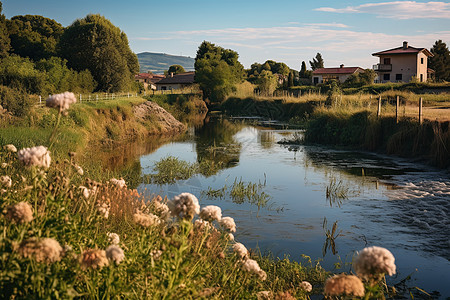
point(391, 203)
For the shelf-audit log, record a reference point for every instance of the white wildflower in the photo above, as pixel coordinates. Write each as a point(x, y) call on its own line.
point(211, 213)
point(113, 238)
point(184, 206)
point(146, 220)
point(240, 250)
point(115, 253)
point(156, 254)
point(120, 183)
point(4, 165)
point(264, 295)
point(6, 181)
point(36, 156)
point(230, 236)
point(79, 169)
point(10, 148)
point(94, 258)
point(161, 209)
point(344, 285)
point(373, 262)
point(103, 209)
point(45, 250)
point(227, 223)
point(252, 266)
point(20, 213)
point(306, 286)
point(61, 101)
point(85, 191)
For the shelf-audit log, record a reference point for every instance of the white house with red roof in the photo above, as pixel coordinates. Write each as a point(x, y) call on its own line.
point(175, 82)
point(341, 74)
point(402, 64)
point(148, 79)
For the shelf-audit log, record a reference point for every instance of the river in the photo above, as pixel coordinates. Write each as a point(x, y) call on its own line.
point(389, 202)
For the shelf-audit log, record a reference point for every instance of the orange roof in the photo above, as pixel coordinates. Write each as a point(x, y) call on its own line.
point(343, 70)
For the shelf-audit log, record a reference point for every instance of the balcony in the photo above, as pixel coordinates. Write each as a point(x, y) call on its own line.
point(382, 68)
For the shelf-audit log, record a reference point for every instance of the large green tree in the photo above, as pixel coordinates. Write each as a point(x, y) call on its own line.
point(4, 37)
point(317, 62)
point(94, 43)
point(440, 62)
point(35, 37)
point(175, 69)
point(217, 71)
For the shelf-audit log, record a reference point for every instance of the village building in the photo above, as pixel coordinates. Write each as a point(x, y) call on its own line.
point(149, 80)
point(176, 82)
point(402, 64)
point(340, 74)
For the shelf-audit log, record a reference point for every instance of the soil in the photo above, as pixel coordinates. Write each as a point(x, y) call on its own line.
point(166, 122)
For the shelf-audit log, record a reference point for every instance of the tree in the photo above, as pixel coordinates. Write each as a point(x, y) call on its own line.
point(440, 61)
point(176, 69)
point(317, 62)
point(4, 37)
point(267, 82)
point(217, 70)
point(302, 73)
point(35, 37)
point(291, 79)
point(19, 73)
point(95, 44)
point(360, 79)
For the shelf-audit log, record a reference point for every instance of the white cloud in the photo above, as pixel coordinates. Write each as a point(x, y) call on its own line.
point(335, 25)
point(398, 10)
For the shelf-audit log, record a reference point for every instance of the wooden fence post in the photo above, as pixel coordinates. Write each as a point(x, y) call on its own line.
point(40, 100)
point(80, 98)
point(379, 107)
point(396, 109)
point(420, 111)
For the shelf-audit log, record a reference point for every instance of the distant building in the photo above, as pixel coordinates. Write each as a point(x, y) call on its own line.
point(149, 80)
point(175, 82)
point(340, 74)
point(402, 64)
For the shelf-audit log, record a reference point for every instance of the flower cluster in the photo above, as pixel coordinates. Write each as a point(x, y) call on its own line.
point(120, 183)
point(115, 254)
point(37, 156)
point(228, 224)
point(10, 148)
point(42, 250)
point(252, 266)
point(374, 261)
point(113, 238)
point(61, 101)
point(146, 220)
point(184, 206)
point(211, 213)
point(5, 181)
point(344, 285)
point(20, 213)
point(306, 286)
point(240, 250)
point(94, 258)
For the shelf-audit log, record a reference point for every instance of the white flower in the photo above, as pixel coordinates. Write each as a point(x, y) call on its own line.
point(184, 206)
point(227, 223)
point(113, 238)
point(61, 101)
point(344, 285)
point(264, 295)
point(230, 236)
point(115, 253)
point(85, 191)
point(4, 165)
point(374, 261)
point(146, 220)
point(211, 213)
point(252, 266)
point(240, 250)
point(103, 209)
point(20, 213)
point(45, 250)
point(36, 156)
point(306, 286)
point(6, 181)
point(10, 148)
point(79, 169)
point(120, 183)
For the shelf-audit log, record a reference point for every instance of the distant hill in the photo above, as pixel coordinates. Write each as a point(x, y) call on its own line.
point(160, 62)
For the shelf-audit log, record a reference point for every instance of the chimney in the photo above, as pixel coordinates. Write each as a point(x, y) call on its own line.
point(342, 66)
point(405, 45)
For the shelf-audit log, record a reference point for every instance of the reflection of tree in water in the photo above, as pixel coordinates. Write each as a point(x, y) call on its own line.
point(216, 148)
point(266, 138)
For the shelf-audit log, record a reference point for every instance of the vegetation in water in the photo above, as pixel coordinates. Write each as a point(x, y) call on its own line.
point(336, 191)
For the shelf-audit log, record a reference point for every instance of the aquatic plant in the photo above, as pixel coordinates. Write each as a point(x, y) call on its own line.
point(336, 192)
point(331, 236)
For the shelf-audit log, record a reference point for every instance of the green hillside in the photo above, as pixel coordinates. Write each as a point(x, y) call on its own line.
point(160, 62)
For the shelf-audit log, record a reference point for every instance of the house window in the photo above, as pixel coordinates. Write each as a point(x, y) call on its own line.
point(421, 60)
point(387, 61)
point(421, 77)
point(163, 88)
point(316, 80)
point(398, 77)
point(387, 77)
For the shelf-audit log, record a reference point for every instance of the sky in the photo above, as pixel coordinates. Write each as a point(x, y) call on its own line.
point(290, 31)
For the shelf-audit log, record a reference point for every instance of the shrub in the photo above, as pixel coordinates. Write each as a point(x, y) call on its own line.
point(15, 101)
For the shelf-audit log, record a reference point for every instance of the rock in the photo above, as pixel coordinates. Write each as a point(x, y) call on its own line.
point(150, 111)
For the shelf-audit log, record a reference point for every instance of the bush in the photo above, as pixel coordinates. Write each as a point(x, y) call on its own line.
point(15, 101)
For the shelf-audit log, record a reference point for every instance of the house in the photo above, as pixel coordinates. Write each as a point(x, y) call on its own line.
point(402, 64)
point(148, 79)
point(341, 74)
point(175, 82)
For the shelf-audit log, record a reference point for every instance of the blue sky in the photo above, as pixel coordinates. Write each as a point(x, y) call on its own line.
point(290, 31)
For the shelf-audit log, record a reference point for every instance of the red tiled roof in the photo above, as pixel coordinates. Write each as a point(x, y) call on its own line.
point(401, 50)
point(183, 78)
point(343, 70)
point(148, 76)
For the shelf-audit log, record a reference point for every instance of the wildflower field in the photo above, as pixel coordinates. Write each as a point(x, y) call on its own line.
point(64, 235)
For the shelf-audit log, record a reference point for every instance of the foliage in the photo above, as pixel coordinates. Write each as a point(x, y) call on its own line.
point(5, 42)
point(175, 69)
point(440, 62)
point(15, 101)
point(19, 73)
point(95, 44)
point(361, 79)
point(217, 70)
point(317, 62)
point(33, 36)
point(267, 82)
